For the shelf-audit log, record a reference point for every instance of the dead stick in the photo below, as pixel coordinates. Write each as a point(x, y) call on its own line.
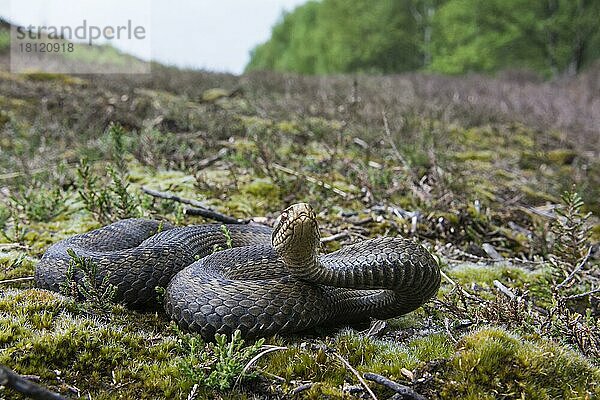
point(203, 212)
point(504, 289)
point(355, 372)
point(16, 280)
point(582, 295)
point(199, 207)
point(11, 379)
point(340, 235)
point(404, 391)
point(207, 162)
point(302, 388)
point(311, 180)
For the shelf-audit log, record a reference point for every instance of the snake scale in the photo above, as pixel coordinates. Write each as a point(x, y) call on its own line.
point(270, 281)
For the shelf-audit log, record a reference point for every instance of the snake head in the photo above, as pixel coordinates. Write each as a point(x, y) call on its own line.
point(296, 236)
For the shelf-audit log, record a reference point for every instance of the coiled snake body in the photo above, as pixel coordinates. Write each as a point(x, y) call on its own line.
point(271, 281)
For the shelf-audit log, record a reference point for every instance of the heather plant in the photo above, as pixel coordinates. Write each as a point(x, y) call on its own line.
point(217, 365)
point(97, 292)
point(110, 201)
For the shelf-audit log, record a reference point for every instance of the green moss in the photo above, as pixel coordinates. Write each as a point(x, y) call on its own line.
point(262, 188)
point(535, 196)
point(433, 347)
point(492, 362)
point(556, 157)
point(595, 233)
point(561, 156)
point(287, 127)
point(50, 77)
point(385, 357)
point(11, 103)
point(485, 275)
point(214, 94)
point(4, 118)
point(15, 264)
point(116, 355)
point(324, 391)
point(482, 155)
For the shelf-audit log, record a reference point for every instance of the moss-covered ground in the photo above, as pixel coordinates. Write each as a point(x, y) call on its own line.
point(458, 176)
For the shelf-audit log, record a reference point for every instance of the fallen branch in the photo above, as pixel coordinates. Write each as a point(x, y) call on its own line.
point(302, 388)
point(12, 380)
point(404, 391)
point(582, 295)
point(213, 159)
point(340, 235)
point(491, 251)
point(504, 289)
point(210, 214)
point(355, 372)
point(311, 179)
point(265, 350)
point(17, 280)
point(199, 208)
point(462, 290)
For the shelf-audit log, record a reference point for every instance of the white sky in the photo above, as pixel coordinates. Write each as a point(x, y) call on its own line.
point(216, 35)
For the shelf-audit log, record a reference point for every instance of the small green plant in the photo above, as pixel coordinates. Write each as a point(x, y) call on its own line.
point(38, 204)
point(125, 204)
point(116, 135)
point(94, 199)
point(98, 294)
point(217, 365)
point(227, 234)
point(13, 232)
point(571, 234)
point(228, 240)
point(110, 202)
point(160, 293)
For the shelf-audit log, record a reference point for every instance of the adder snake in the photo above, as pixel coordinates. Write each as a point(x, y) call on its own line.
point(270, 281)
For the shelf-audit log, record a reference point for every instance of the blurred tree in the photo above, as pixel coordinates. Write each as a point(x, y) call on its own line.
point(451, 36)
point(347, 36)
point(550, 36)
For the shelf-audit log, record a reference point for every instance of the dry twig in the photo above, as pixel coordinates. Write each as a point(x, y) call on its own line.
point(337, 236)
point(266, 350)
point(212, 159)
point(504, 289)
point(199, 208)
point(357, 374)
point(404, 391)
point(576, 270)
point(311, 179)
point(17, 280)
point(302, 388)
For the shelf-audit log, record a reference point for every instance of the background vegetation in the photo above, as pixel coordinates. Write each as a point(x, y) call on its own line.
point(550, 37)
